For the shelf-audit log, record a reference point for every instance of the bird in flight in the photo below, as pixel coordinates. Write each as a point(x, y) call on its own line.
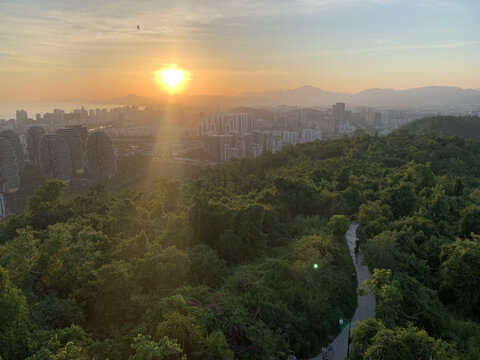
point(138, 27)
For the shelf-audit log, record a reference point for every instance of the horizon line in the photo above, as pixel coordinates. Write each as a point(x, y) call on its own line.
point(183, 95)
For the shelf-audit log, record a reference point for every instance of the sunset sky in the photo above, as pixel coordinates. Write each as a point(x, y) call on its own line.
point(92, 49)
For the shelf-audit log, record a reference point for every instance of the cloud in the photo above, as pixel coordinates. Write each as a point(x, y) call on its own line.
point(88, 34)
point(90, 21)
point(416, 47)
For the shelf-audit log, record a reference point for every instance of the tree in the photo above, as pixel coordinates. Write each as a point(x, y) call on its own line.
point(134, 248)
point(146, 349)
point(372, 340)
point(381, 252)
point(388, 295)
point(299, 196)
point(70, 343)
point(111, 304)
point(44, 206)
point(46, 195)
point(208, 220)
point(460, 275)
point(342, 179)
point(182, 328)
point(162, 269)
point(374, 217)
point(217, 347)
point(403, 200)
point(20, 256)
point(206, 265)
point(338, 225)
point(13, 320)
point(470, 221)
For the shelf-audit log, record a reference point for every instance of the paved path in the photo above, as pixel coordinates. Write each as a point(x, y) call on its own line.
point(366, 304)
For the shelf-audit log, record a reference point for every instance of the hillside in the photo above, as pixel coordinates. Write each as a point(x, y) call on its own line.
point(467, 127)
point(249, 260)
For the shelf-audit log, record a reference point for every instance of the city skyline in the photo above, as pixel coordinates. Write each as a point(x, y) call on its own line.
point(92, 50)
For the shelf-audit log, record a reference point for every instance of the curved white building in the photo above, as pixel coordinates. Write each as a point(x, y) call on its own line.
point(75, 148)
point(34, 136)
point(55, 162)
point(17, 146)
point(9, 179)
point(101, 158)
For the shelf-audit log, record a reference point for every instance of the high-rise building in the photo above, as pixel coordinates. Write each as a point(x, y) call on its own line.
point(266, 140)
point(101, 157)
point(224, 142)
point(38, 117)
point(17, 146)
point(34, 137)
point(48, 118)
point(256, 150)
point(290, 137)
point(21, 115)
point(276, 141)
point(257, 136)
point(225, 152)
point(309, 135)
point(224, 123)
point(9, 179)
point(54, 158)
point(261, 138)
point(83, 113)
point(234, 153)
point(338, 114)
point(247, 143)
point(211, 145)
point(58, 117)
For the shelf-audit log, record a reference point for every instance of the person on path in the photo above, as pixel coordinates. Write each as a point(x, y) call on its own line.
point(330, 351)
point(357, 250)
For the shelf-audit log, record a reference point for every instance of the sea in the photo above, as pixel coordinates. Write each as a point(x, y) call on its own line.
point(8, 109)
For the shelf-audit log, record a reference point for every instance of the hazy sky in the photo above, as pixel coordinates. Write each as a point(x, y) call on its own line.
point(92, 49)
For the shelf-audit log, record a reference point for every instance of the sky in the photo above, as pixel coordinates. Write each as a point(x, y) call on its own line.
point(91, 49)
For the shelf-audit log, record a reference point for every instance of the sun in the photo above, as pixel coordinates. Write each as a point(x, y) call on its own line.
point(172, 78)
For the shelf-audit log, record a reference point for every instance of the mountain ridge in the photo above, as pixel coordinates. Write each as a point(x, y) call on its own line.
point(308, 95)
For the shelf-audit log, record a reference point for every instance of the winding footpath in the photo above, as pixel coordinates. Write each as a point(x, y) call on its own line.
point(366, 304)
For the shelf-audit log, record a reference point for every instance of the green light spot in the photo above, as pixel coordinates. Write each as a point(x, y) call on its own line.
point(315, 266)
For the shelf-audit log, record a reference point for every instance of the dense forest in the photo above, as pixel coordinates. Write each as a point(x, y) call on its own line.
point(463, 126)
point(249, 260)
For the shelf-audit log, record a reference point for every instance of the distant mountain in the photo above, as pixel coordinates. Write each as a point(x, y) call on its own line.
point(130, 100)
point(304, 96)
point(466, 126)
point(430, 96)
point(423, 96)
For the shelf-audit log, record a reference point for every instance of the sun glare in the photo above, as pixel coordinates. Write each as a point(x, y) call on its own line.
point(171, 78)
